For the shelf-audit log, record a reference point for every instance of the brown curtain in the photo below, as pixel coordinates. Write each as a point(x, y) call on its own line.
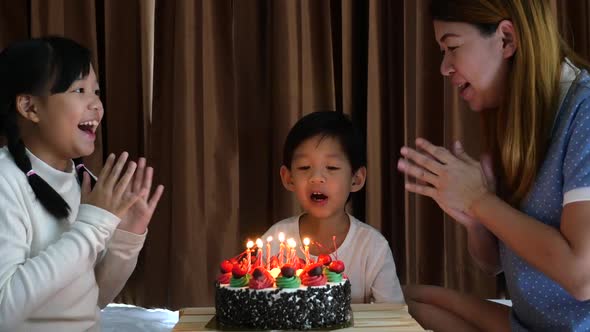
point(208, 90)
point(574, 17)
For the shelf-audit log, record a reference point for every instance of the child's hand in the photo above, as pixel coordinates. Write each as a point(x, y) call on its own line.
point(110, 192)
point(139, 214)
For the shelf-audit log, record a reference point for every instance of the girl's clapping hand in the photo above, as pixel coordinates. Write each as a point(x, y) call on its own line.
point(110, 191)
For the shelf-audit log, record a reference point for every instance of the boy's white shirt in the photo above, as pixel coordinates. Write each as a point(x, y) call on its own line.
point(55, 274)
point(366, 255)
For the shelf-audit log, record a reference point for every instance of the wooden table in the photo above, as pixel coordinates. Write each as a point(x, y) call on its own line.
point(367, 317)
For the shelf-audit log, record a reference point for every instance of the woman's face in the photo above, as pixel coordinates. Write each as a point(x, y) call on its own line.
point(477, 65)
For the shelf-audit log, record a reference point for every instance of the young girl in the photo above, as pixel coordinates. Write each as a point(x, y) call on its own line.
point(509, 63)
point(323, 162)
point(65, 249)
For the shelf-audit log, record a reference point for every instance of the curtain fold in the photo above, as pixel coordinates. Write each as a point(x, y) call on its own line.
point(423, 92)
point(14, 23)
point(126, 43)
point(384, 203)
point(574, 18)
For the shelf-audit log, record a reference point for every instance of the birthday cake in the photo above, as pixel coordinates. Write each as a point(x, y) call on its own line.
point(293, 294)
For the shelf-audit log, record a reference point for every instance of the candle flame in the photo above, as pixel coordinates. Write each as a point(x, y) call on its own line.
point(306, 241)
point(269, 239)
point(259, 243)
point(250, 244)
point(282, 237)
point(291, 243)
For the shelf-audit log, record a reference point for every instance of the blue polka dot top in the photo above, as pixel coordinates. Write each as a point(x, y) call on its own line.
point(539, 303)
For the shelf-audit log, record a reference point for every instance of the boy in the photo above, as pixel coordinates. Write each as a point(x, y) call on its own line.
point(323, 163)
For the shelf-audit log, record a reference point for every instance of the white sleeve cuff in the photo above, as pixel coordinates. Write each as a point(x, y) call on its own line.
point(576, 195)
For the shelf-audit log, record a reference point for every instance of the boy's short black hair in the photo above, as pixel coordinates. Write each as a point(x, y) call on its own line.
point(327, 124)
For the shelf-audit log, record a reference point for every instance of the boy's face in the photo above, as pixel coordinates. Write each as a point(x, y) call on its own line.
point(321, 177)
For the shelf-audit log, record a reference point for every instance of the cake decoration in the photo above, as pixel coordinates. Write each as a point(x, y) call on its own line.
point(283, 291)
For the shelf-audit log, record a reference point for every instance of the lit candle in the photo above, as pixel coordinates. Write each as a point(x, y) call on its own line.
point(288, 255)
point(259, 244)
point(306, 246)
point(268, 240)
point(281, 247)
point(335, 248)
point(249, 246)
point(292, 245)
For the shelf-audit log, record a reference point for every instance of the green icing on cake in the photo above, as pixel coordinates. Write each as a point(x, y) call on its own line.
point(293, 282)
point(240, 282)
point(333, 276)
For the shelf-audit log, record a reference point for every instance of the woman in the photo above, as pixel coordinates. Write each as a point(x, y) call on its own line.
point(508, 62)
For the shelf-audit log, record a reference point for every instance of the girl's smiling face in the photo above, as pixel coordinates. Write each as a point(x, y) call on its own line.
point(64, 124)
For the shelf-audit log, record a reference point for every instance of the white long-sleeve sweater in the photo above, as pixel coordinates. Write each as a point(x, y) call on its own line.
point(366, 255)
point(54, 274)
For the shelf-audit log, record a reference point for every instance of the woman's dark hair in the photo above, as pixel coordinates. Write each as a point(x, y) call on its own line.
point(40, 67)
point(327, 124)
